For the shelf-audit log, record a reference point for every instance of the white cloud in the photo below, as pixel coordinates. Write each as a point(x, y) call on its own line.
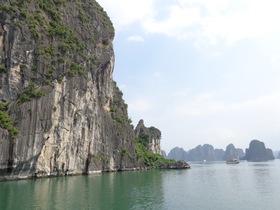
point(126, 12)
point(135, 39)
point(201, 20)
point(179, 19)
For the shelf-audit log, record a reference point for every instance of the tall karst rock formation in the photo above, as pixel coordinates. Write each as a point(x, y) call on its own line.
point(151, 137)
point(257, 152)
point(60, 112)
point(233, 153)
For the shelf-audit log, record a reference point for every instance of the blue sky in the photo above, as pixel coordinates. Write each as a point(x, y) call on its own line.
point(202, 71)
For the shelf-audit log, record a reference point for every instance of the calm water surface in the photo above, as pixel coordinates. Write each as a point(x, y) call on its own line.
point(206, 186)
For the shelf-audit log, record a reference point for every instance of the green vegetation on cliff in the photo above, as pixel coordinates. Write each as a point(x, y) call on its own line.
point(63, 43)
point(53, 40)
point(150, 159)
point(118, 108)
point(6, 122)
point(61, 50)
point(30, 93)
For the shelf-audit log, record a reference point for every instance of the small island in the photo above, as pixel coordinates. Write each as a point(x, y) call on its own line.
point(149, 150)
point(257, 152)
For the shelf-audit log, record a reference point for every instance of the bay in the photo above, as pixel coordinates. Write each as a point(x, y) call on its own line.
point(213, 185)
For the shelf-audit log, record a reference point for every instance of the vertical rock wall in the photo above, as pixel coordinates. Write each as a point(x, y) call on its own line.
point(56, 65)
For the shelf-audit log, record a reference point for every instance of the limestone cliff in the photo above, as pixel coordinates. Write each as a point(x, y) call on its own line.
point(61, 112)
point(151, 137)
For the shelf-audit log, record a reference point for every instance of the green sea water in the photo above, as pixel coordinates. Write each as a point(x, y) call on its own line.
point(205, 186)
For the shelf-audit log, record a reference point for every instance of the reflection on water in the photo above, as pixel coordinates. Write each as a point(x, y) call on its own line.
point(262, 177)
point(245, 186)
point(147, 195)
point(235, 177)
point(127, 190)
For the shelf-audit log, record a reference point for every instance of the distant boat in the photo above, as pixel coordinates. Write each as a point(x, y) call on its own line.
point(232, 161)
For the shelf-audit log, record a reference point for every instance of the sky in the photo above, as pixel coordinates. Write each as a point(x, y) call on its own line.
point(201, 71)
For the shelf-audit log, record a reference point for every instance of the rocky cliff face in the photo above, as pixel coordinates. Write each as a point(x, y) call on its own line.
point(258, 152)
point(151, 136)
point(61, 112)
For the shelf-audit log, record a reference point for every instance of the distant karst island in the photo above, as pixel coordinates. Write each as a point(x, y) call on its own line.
point(256, 152)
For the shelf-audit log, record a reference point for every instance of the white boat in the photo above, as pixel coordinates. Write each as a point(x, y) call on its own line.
point(232, 161)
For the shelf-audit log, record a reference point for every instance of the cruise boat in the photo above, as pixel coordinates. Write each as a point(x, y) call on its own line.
point(232, 161)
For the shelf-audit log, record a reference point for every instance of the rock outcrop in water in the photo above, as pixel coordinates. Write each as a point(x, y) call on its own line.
point(61, 112)
point(258, 152)
point(180, 164)
point(148, 149)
